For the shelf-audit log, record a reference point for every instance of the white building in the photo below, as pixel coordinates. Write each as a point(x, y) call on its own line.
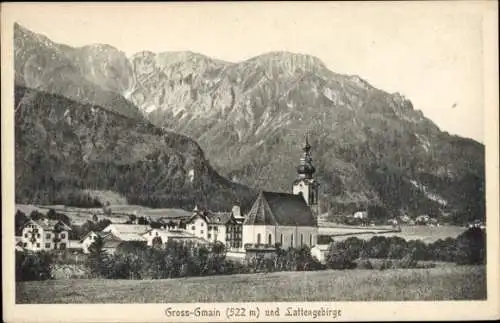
point(45, 235)
point(226, 227)
point(87, 240)
point(127, 232)
point(197, 225)
point(320, 252)
point(165, 236)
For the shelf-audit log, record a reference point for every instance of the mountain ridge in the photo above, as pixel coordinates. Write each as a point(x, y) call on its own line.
point(370, 147)
point(63, 146)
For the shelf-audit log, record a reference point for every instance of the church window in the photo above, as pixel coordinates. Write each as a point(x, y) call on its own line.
point(291, 240)
point(270, 239)
point(301, 239)
point(258, 238)
point(281, 239)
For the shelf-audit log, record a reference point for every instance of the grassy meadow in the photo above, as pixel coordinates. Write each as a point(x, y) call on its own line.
point(418, 232)
point(440, 283)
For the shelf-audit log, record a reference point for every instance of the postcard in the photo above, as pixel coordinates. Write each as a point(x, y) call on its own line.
point(250, 161)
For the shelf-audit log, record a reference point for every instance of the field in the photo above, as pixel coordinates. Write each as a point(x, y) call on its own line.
point(440, 283)
point(424, 233)
point(119, 215)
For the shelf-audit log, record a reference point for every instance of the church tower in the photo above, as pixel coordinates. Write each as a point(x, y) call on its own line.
point(305, 184)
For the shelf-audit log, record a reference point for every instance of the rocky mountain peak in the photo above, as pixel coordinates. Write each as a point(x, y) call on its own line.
point(370, 147)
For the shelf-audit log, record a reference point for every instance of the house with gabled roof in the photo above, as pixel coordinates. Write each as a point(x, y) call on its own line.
point(163, 237)
point(225, 227)
point(45, 234)
point(127, 232)
point(197, 224)
point(89, 238)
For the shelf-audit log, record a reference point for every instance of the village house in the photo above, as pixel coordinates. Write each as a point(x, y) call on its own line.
point(87, 240)
point(163, 236)
point(320, 252)
point(173, 223)
point(127, 232)
point(226, 227)
point(45, 234)
point(111, 243)
point(289, 220)
point(360, 215)
point(197, 225)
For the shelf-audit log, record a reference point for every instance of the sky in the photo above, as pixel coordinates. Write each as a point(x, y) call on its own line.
point(432, 53)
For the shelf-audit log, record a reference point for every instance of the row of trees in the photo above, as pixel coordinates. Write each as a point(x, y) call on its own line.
point(468, 248)
point(133, 260)
point(136, 261)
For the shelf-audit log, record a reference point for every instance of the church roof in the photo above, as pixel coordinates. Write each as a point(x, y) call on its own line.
point(271, 208)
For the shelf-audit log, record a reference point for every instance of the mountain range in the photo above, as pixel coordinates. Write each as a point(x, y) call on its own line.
point(370, 148)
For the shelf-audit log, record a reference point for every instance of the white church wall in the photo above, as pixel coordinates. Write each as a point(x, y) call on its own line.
point(301, 236)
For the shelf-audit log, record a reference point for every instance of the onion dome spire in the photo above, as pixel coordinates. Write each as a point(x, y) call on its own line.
point(305, 169)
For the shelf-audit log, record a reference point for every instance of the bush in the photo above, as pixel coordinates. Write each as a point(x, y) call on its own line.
point(364, 264)
point(33, 266)
point(340, 257)
point(470, 247)
point(378, 247)
point(398, 247)
point(409, 259)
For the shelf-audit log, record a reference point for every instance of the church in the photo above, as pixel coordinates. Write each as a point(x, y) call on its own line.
point(288, 219)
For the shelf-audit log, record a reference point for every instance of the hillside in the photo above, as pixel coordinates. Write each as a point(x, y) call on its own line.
point(63, 147)
point(371, 149)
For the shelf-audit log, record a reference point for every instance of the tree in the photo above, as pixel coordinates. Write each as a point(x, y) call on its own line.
point(96, 260)
point(20, 220)
point(378, 247)
point(36, 215)
point(470, 247)
point(157, 242)
point(340, 257)
point(397, 248)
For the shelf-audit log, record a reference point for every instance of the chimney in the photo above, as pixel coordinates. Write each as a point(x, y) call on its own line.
point(236, 211)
